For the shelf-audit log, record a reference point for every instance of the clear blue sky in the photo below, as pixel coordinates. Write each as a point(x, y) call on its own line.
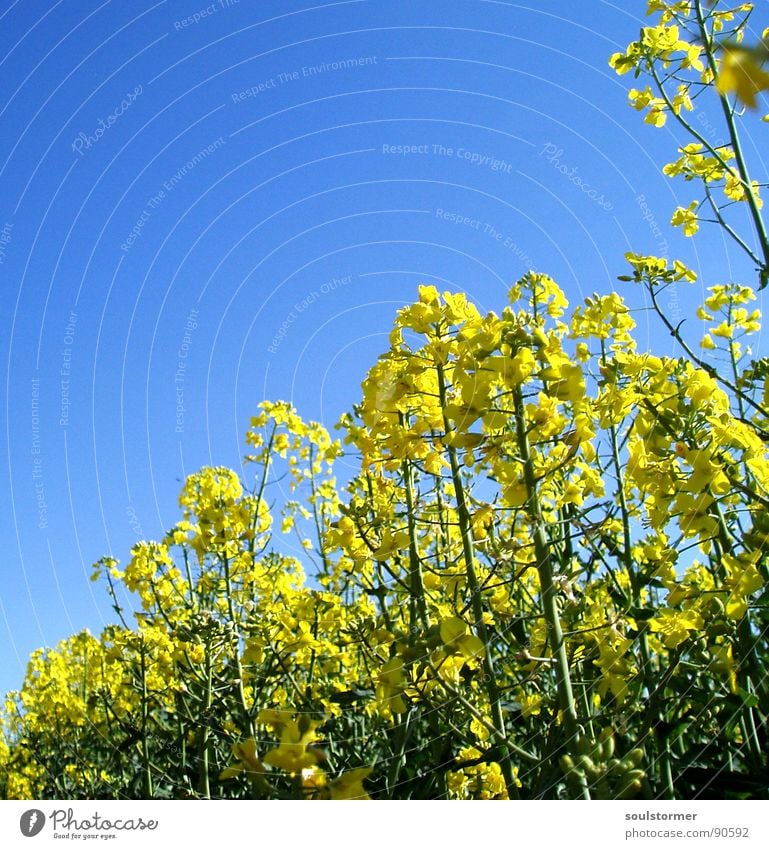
point(224, 186)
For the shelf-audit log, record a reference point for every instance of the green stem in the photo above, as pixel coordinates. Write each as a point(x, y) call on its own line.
point(699, 362)
point(318, 517)
point(463, 516)
point(739, 156)
point(548, 590)
point(626, 554)
point(400, 739)
point(146, 766)
point(236, 648)
point(204, 787)
point(418, 608)
point(666, 771)
point(262, 485)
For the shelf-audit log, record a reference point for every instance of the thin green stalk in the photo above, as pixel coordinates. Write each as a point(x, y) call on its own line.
point(418, 608)
point(666, 771)
point(262, 485)
point(188, 573)
point(146, 765)
point(236, 648)
point(417, 602)
point(204, 787)
point(401, 735)
point(463, 516)
point(626, 554)
point(698, 361)
point(548, 589)
point(317, 517)
point(750, 668)
point(739, 156)
point(182, 737)
point(522, 754)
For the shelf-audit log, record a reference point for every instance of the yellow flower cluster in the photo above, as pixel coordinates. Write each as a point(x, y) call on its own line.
point(697, 51)
point(510, 570)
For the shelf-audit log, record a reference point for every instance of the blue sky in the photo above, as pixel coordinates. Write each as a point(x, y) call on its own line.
point(209, 205)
